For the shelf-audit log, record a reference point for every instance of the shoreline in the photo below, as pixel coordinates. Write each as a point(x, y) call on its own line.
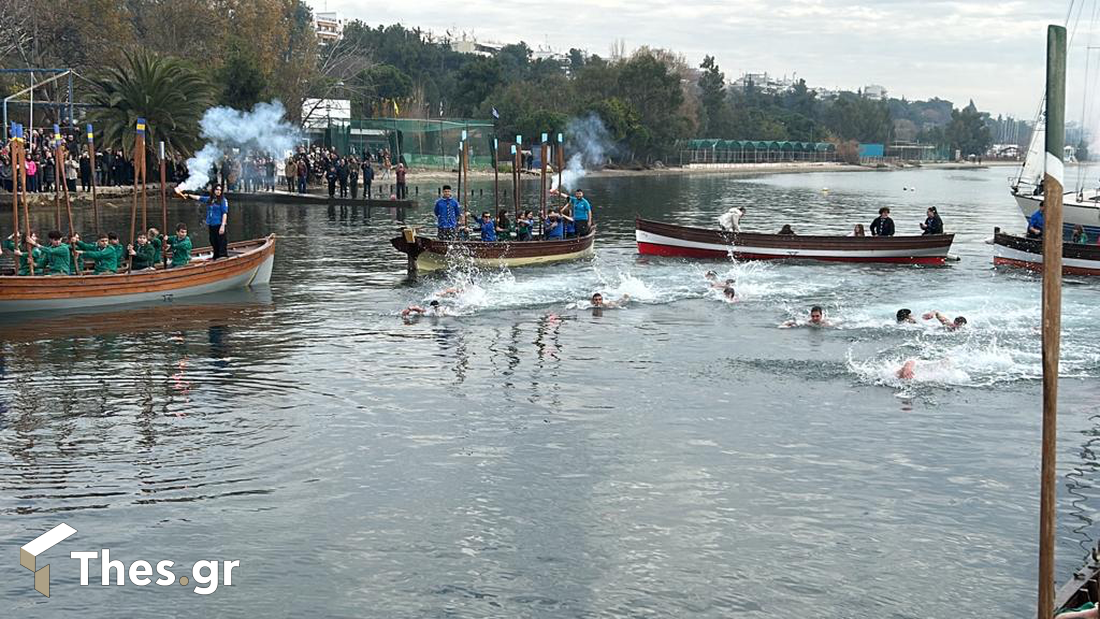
point(433, 177)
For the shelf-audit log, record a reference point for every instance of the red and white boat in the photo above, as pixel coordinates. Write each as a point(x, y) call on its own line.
point(1017, 251)
point(661, 239)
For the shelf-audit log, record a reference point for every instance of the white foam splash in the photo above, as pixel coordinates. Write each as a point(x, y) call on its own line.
point(263, 130)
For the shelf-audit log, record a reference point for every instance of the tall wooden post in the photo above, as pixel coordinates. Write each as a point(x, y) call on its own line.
point(561, 159)
point(139, 157)
point(58, 176)
point(95, 181)
point(23, 199)
point(13, 149)
point(542, 175)
point(1052, 307)
point(144, 192)
point(496, 177)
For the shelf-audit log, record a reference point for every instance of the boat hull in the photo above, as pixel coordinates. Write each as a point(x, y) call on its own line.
point(661, 239)
point(251, 265)
point(1085, 212)
point(1024, 253)
point(434, 254)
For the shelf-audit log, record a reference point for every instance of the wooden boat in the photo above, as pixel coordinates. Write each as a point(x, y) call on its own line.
point(249, 263)
point(1083, 588)
point(430, 254)
point(1017, 251)
point(661, 239)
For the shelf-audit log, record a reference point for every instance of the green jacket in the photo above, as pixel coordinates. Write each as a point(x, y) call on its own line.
point(58, 259)
point(181, 250)
point(24, 266)
point(120, 254)
point(158, 245)
point(143, 258)
point(106, 259)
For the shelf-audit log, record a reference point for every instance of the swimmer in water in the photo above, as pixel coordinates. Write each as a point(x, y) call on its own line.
point(817, 319)
point(951, 325)
point(729, 293)
point(906, 371)
point(433, 309)
point(905, 316)
point(599, 303)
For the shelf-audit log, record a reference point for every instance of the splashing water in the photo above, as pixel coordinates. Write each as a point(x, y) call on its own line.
point(263, 130)
point(591, 145)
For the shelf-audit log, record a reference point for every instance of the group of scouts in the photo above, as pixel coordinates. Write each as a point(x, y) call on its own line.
point(574, 219)
point(69, 255)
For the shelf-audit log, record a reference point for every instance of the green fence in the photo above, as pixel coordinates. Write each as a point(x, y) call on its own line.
point(422, 143)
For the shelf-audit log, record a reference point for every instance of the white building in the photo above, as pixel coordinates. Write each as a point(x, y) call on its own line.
point(329, 26)
point(874, 92)
point(470, 45)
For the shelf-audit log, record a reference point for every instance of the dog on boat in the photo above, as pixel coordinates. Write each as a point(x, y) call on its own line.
point(731, 219)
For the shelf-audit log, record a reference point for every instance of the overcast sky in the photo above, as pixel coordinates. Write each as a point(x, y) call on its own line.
point(992, 52)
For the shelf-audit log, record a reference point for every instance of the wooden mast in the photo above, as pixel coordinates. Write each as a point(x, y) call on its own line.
point(496, 177)
point(542, 175)
point(139, 157)
point(13, 148)
point(26, 210)
point(561, 160)
point(58, 176)
point(1052, 307)
point(95, 172)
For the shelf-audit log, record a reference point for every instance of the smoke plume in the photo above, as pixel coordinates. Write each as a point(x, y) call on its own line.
point(590, 144)
point(263, 130)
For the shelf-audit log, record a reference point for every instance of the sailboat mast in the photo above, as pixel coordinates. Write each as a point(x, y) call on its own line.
point(1052, 307)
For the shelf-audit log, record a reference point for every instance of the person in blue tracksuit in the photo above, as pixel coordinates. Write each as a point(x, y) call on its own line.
point(447, 213)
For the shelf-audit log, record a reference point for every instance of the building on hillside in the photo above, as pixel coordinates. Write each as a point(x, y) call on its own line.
point(762, 82)
point(329, 26)
point(468, 44)
point(874, 92)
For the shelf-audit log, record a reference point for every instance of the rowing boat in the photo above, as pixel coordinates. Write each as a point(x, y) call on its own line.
point(1017, 251)
point(428, 254)
point(662, 239)
point(249, 264)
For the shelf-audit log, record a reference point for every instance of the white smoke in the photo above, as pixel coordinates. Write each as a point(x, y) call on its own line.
point(263, 130)
point(590, 144)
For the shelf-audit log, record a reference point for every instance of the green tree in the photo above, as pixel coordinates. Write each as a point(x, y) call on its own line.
point(576, 60)
point(169, 94)
point(968, 132)
point(240, 79)
point(712, 84)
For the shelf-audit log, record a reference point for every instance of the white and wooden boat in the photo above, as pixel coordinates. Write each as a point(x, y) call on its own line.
point(249, 264)
point(428, 254)
point(1021, 252)
point(662, 239)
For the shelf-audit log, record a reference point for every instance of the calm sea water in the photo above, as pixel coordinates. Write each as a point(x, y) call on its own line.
point(526, 458)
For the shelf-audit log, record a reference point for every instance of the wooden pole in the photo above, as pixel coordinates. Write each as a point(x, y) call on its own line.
point(1052, 308)
point(144, 192)
point(496, 177)
point(13, 149)
point(542, 175)
point(139, 171)
point(91, 156)
point(58, 176)
point(26, 210)
point(163, 205)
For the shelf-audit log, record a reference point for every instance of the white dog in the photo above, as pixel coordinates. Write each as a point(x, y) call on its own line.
point(731, 219)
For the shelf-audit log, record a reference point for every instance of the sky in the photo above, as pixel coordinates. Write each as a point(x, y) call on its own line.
point(991, 52)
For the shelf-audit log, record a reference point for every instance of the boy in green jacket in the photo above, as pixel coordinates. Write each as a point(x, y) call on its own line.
point(180, 246)
point(157, 242)
point(120, 251)
point(11, 244)
point(106, 258)
point(56, 255)
point(142, 255)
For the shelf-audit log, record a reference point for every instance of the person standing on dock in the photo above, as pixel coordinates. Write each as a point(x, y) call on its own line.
point(447, 213)
point(1036, 222)
point(217, 216)
point(368, 178)
point(883, 225)
point(402, 188)
point(933, 224)
point(581, 211)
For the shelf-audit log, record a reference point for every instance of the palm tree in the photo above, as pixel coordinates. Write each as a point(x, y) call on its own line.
point(166, 92)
